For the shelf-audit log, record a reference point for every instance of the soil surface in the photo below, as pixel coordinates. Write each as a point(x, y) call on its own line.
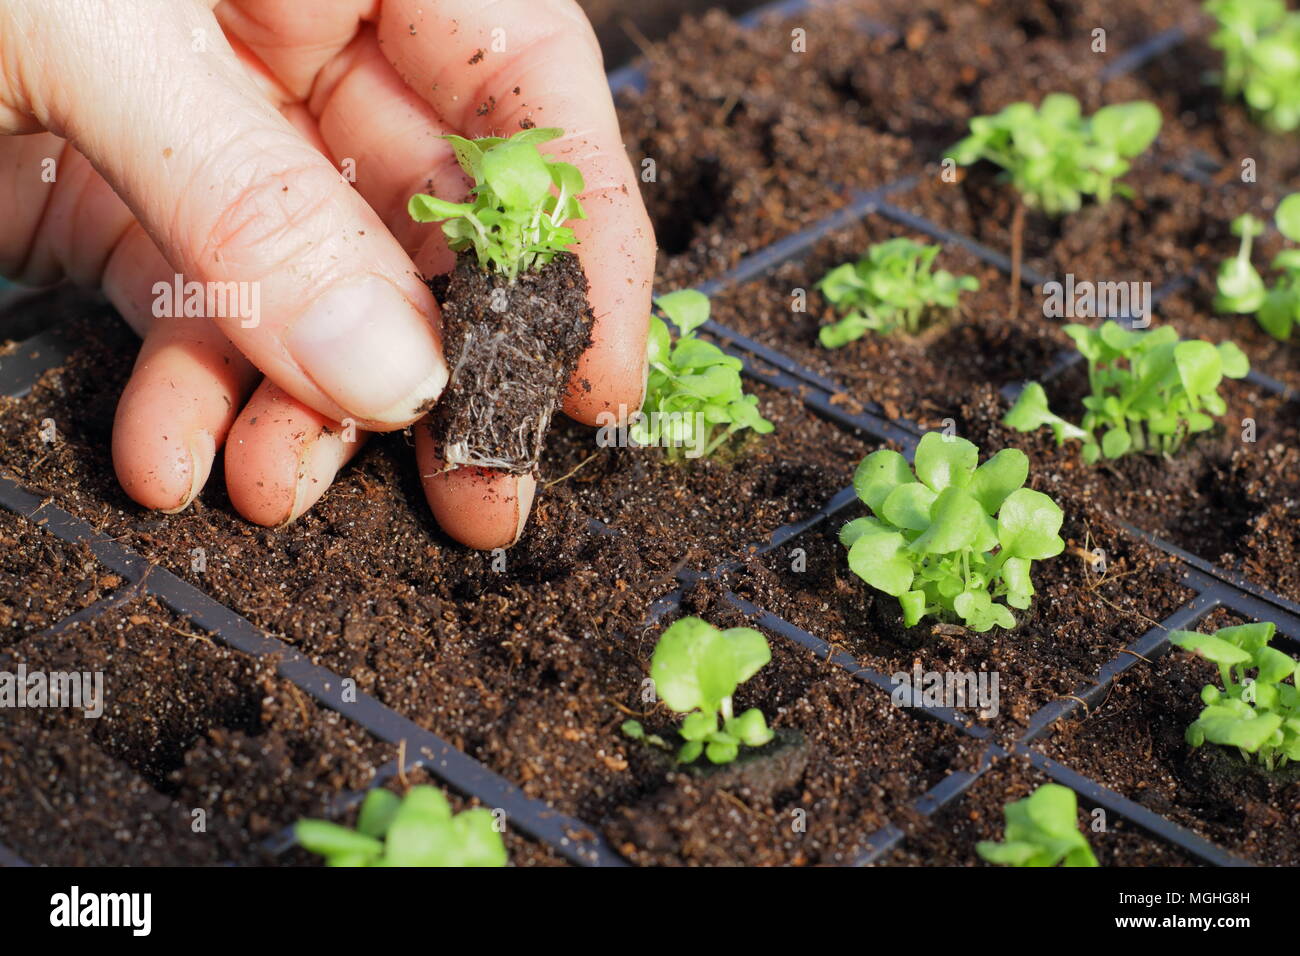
point(511, 348)
point(1133, 743)
point(1230, 501)
point(186, 725)
point(949, 838)
point(1080, 618)
point(42, 579)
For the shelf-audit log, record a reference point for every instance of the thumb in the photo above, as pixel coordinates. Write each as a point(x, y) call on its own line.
point(293, 265)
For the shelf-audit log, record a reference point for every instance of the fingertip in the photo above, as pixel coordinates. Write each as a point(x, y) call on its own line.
point(481, 508)
point(163, 472)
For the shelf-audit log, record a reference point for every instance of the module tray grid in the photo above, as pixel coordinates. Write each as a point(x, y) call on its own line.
point(572, 839)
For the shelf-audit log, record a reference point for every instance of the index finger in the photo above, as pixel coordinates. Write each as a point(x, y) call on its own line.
point(496, 68)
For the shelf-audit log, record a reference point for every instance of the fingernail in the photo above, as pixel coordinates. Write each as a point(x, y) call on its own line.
point(525, 490)
point(203, 448)
point(317, 468)
point(368, 348)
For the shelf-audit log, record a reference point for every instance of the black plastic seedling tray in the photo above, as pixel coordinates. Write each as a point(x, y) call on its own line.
point(573, 839)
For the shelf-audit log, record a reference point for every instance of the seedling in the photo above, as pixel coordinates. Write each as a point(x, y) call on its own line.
point(694, 399)
point(513, 222)
point(1242, 290)
point(1054, 156)
point(952, 539)
point(515, 312)
point(416, 830)
point(1260, 40)
point(1258, 715)
point(1041, 830)
point(696, 669)
point(890, 289)
point(1149, 391)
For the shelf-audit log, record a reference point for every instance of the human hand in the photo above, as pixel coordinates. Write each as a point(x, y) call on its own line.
point(207, 139)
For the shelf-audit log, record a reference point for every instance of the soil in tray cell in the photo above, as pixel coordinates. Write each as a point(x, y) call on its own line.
point(1079, 620)
point(749, 139)
point(949, 837)
point(1133, 743)
point(922, 376)
point(42, 579)
point(1229, 501)
point(865, 761)
point(1220, 131)
point(184, 725)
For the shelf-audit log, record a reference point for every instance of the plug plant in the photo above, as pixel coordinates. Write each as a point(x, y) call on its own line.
point(1260, 40)
point(1041, 830)
point(696, 669)
point(416, 830)
point(1149, 391)
point(953, 538)
point(889, 289)
point(1054, 156)
point(514, 222)
point(1241, 289)
point(693, 385)
point(1257, 714)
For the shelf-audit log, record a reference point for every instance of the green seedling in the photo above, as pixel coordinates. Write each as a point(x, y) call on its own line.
point(416, 830)
point(890, 289)
point(954, 537)
point(696, 669)
point(1242, 290)
point(1260, 40)
point(1260, 714)
point(694, 399)
point(513, 221)
point(1041, 830)
point(1149, 391)
point(1054, 156)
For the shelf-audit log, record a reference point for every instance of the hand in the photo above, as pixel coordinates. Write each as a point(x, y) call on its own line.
point(208, 139)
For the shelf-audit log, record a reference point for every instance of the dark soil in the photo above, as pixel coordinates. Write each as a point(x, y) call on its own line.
point(917, 377)
point(949, 838)
point(187, 725)
point(1133, 743)
point(623, 28)
point(867, 761)
point(1232, 502)
point(42, 579)
point(1079, 620)
point(511, 348)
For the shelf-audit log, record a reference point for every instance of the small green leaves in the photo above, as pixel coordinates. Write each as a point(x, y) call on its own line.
point(1260, 40)
point(1053, 155)
point(1150, 391)
point(1260, 714)
point(417, 830)
point(1041, 830)
point(1242, 290)
point(696, 669)
point(694, 395)
point(953, 542)
point(514, 221)
point(889, 289)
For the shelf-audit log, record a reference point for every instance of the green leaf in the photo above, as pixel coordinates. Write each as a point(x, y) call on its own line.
point(956, 520)
point(998, 477)
point(1028, 523)
point(377, 811)
point(1199, 366)
point(1129, 127)
point(633, 729)
point(696, 666)
point(751, 727)
point(330, 840)
point(1233, 360)
point(908, 506)
point(1211, 648)
point(878, 475)
point(698, 725)
point(517, 173)
point(1288, 217)
point(880, 559)
point(686, 308)
point(424, 208)
point(474, 840)
point(945, 460)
